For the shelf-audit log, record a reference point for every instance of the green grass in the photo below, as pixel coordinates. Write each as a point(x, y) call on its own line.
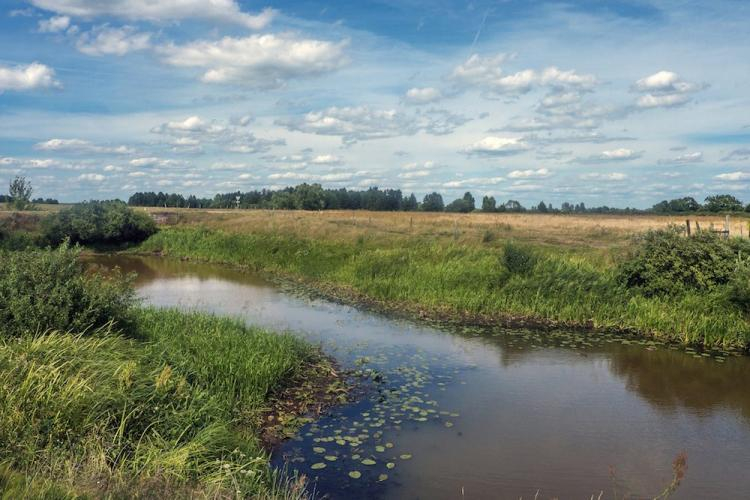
point(171, 412)
point(421, 274)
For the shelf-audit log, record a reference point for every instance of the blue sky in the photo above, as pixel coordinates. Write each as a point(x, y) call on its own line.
point(621, 103)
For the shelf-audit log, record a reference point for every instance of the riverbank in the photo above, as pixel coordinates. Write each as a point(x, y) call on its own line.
point(470, 283)
point(143, 402)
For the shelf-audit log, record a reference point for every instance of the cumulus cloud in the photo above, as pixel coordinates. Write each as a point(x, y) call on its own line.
point(596, 176)
point(363, 123)
point(27, 77)
point(497, 146)
point(91, 177)
point(227, 11)
point(487, 73)
point(23, 163)
point(530, 173)
point(259, 61)
point(152, 161)
point(473, 182)
point(695, 157)
point(107, 40)
point(54, 24)
point(664, 89)
point(734, 176)
point(80, 146)
point(612, 155)
point(423, 95)
point(325, 160)
point(189, 133)
point(309, 177)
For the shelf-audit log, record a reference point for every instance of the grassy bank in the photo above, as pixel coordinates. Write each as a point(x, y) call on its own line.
point(434, 277)
point(142, 403)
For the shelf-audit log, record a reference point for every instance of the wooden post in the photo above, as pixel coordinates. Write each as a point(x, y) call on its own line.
point(698, 226)
point(687, 224)
point(411, 224)
point(726, 227)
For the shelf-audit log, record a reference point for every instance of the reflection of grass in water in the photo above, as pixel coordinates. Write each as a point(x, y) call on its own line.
point(429, 278)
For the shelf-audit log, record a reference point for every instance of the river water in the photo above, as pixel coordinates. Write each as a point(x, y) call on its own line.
point(494, 413)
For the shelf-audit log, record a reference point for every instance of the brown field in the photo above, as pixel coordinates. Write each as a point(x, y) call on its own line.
point(591, 231)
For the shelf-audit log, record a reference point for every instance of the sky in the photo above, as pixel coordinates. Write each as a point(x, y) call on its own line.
point(618, 103)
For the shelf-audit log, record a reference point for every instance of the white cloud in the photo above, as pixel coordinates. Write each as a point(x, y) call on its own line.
point(595, 176)
point(261, 61)
point(733, 176)
point(424, 95)
point(473, 182)
point(414, 174)
point(487, 73)
point(54, 24)
point(152, 161)
point(28, 77)
point(427, 165)
point(106, 40)
point(91, 177)
point(620, 154)
point(193, 131)
point(28, 162)
point(80, 146)
point(664, 89)
point(695, 157)
point(364, 123)
point(227, 11)
point(497, 146)
point(526, 174)
point(326, 160)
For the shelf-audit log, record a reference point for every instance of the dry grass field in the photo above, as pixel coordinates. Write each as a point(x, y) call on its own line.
point(590, 231)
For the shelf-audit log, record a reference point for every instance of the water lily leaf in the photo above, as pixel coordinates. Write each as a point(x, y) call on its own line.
point(368, 461)
point(319, 465)
point(380, 449)
point(382, 477)
point(390, 465)
point(355, 474)
point(331, 458)
point(318, 449)
point(406, 456)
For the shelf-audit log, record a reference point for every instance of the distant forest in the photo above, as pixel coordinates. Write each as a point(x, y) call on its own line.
point(315, 197)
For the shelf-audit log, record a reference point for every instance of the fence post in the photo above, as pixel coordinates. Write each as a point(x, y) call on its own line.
point(698, 226)
point(687, 224)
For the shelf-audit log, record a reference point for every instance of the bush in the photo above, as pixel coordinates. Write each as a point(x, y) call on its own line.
point(48, 289)
point(739, 286)
point(666, 263)
point(518, 259)
point(98, 223)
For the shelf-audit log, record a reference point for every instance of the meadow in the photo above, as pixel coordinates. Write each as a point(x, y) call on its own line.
point(454, 267)
point(101, 397)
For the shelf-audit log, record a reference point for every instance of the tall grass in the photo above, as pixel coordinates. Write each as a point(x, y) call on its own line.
point(173, 413)
point(423, 274)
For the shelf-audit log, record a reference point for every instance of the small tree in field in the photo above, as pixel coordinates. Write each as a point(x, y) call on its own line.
point(20, 194)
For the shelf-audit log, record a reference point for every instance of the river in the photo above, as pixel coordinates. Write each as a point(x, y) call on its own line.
point(494, 413)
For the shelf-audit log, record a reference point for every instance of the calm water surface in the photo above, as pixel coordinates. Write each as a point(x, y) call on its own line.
point(504, 414)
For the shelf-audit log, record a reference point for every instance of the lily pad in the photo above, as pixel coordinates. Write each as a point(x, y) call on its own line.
point(382, 477)
point(355, 474)
point(390, 465)
point(319, 465)
point(405, 456)
point(318, 449)
point(368, 461)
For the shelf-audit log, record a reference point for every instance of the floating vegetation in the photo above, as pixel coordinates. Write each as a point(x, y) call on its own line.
point(355, 474)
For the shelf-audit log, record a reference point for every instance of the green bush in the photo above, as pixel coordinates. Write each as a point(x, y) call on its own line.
point(739, 286)
point(98, 223)
point(518, 259)
point(48, 289)
point(666, 263)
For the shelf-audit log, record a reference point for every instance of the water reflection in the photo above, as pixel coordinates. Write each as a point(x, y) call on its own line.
point(534, 410)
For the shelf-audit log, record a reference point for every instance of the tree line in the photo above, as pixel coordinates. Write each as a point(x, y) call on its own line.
point(315, 197)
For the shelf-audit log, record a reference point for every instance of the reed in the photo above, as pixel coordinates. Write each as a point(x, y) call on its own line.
point(423, 274)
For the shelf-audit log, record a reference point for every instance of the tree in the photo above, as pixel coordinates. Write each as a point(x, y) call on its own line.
point(542, 208)
point(489, 204)
point(465, 204)
point(20, 194)
point(513, 206)
point(433, 202)
point(410, 203)
point(723, 203)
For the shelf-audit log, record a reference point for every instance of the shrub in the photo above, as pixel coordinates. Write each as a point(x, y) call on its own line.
point(739, 286)
point(666, 263)
point(98, 223)
point(518, 259)
point(48, 289)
